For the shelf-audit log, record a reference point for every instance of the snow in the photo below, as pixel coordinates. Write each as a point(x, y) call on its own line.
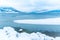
point(20, 29)
point(48, 21)
point(8, 10)
point(8, 33)
point(57, 38)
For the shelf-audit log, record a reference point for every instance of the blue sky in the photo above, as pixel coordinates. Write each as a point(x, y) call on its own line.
point(31, 5)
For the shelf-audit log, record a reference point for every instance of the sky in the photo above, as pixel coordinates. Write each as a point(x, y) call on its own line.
point(32, 5)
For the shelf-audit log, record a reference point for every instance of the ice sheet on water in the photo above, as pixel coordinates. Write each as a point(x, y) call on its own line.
point(8, 33)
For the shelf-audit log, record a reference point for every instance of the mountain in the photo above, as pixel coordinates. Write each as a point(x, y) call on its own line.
point(44, 12)
point(8, 10)
point(50, 12)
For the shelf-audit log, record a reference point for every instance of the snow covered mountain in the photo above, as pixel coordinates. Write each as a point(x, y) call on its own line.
point(8, 10)
point(13, 10)
point(47, 11)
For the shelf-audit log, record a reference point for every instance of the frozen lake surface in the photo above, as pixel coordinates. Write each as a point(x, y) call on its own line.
point(6, 19)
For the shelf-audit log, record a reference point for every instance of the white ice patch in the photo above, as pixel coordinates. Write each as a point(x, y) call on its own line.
point(8, 33)
point(49, 21)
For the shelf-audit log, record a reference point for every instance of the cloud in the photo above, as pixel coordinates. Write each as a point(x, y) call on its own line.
point(30, 5)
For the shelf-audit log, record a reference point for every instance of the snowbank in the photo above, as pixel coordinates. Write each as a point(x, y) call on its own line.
point(8, 33)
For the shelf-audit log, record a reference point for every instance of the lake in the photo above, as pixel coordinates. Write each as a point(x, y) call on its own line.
point(6, 19)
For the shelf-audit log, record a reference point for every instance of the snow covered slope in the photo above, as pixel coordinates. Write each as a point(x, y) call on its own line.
point(8, 33)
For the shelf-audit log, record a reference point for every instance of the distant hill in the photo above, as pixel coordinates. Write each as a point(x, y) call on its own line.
point(8, 10)
point(54, 11)
point(51, 12)
point(13, 10)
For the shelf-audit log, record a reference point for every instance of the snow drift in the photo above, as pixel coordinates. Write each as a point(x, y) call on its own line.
point(8, 33)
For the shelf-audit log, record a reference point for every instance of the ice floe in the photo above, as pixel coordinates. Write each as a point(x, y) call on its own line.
point(48, 21)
